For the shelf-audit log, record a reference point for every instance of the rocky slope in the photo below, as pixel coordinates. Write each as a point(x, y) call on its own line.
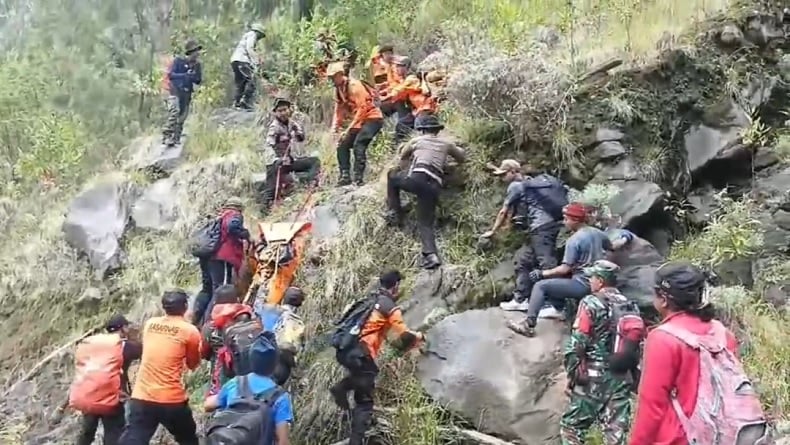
point(668, 137)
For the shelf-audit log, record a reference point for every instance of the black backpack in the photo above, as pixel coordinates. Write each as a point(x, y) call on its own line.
point(349, 326)
point(205, 241)
point(248, 421)
point(239, 339)
point(549, 192)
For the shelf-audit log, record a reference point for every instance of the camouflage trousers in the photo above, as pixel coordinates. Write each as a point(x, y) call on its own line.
point(606, 402)
point(177, 112)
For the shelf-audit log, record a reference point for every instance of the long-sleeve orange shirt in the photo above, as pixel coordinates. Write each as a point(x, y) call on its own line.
point(388, 317)
point(355, 98)
point(410, 90)
point(170, 345)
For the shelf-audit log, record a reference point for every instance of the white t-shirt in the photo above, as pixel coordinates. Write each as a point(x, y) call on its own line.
point(245, 49)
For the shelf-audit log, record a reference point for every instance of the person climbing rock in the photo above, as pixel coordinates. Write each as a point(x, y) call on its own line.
point(427, 155)
point(411, 98)
point(597, 394)
point(266, 423)
point(100, 392)
point(159, 397)
point(288, 327)
point(224, 265)
point(362, 100)
point(680, 357)
point(566, 281)
point(183, 74)
point(282, 132)
point(244, 63)
point(228, 310)
point(361, 333)
point(535, 207)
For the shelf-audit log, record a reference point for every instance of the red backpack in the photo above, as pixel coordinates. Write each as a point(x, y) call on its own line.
point(727, 403)
point(96, 388)
point(628, 334)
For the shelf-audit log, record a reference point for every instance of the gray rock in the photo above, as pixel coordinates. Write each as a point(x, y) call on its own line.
point(157, 208)
point(229, 117)
point(624, 169)
point(258, 182)
point(774, 187)
point(148, 154)
point(731, 35)
point(703, 203)
point(436, 293)
point(782, 219)
point(608, 150)
point(706, 142)
point(763, 29)
point(97, 220)
point(735, 273)
point(638, 262)
point(506, 384)
point(604, 134)
point(759, 90)
point(763, 158)
point(775, 239)
point(784, 67)
point(636, 198)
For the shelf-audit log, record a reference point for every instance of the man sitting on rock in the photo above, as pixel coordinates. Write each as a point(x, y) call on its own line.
point(428, 154)
point(282, 132)
point(566, 281)
point(529, 213)
point(597, 393)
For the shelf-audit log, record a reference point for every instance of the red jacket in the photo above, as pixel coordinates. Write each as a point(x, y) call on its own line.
point(231, 248)
point(669, 364)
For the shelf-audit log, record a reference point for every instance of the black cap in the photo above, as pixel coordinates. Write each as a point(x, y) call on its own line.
point(681, 280)
point(117, 322)
point(280, 101)
point(175, 301)
point(294, 296)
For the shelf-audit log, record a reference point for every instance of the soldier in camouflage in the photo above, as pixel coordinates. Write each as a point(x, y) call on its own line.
point(596, 395)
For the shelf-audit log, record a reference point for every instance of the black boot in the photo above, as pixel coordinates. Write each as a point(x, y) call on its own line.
point(393, 218)
point(340, 397)
point(345, 179)
point(431, 261)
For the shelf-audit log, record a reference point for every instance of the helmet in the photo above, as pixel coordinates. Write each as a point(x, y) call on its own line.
point(175, 301)
point(335, 68)
point(427, 122)
point(258, 27)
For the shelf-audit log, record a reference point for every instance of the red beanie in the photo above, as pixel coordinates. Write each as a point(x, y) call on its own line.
point(576, 211)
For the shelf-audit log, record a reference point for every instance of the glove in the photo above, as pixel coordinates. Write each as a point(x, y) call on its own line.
point(536, 275)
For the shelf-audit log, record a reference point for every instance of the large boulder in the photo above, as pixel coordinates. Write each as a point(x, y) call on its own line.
point(638, 262)
point(436, 293)
point(635, 199)
point(97, 220)
point(506, 384)
point(157, 208)
point(149, 155)
point(715, 138)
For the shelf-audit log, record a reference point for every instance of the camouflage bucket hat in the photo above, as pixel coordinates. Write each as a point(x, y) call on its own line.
point(604, 269)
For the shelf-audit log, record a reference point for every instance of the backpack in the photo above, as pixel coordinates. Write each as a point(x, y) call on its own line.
point(349, 326)
point(727, 403)
point(205, 241)
point(96, 388)
point(239, 339)
point(628, 334)
point(249, 421)
point(549, 192)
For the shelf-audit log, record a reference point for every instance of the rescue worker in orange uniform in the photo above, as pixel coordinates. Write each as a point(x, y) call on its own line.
point(380, 65)
point(353, 96)
point(360, 360)
point(414, 95)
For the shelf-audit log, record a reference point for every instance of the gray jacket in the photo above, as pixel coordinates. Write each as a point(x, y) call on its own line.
point(429, 153)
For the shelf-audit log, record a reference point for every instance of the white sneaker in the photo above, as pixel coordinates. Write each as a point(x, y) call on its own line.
point(514, 305)
point(551, 312)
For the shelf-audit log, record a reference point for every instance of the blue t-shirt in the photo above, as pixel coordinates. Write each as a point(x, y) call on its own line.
point(282, 409)
point(516, 192)
point(583, 248)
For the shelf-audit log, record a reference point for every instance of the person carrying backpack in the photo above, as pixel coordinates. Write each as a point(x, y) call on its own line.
point(228, 311)
point(159, 397)
point(182, 75)
point(253, 409)
point(288, 327)
point(677, 401)
point(535, 206)
point(595, 356)
point(356, 97)
point(221, 261)
point(359, 336)
point(101, 383)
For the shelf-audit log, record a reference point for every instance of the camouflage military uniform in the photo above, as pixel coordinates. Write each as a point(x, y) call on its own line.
point(597, 395)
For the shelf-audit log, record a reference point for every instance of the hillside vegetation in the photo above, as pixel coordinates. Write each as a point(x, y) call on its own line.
point(80, 80)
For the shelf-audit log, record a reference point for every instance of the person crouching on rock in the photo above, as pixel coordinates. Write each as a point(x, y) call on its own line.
point(282, 132)
point(598, 394)
point(355, 96)
point(171, 346)
point(427, 155)
point(566, 281)
point(184, 73)
point(357, 349)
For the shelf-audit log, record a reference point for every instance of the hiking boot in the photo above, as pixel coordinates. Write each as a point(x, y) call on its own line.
point(521, 327)
point(550, 312)
point(514, 305)
point(393, 218)
point(431, 261)
point(340, 398)
point(345, 179)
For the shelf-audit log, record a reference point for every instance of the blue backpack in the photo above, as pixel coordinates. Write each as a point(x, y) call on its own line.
point(249, 421)
point(548, 191)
